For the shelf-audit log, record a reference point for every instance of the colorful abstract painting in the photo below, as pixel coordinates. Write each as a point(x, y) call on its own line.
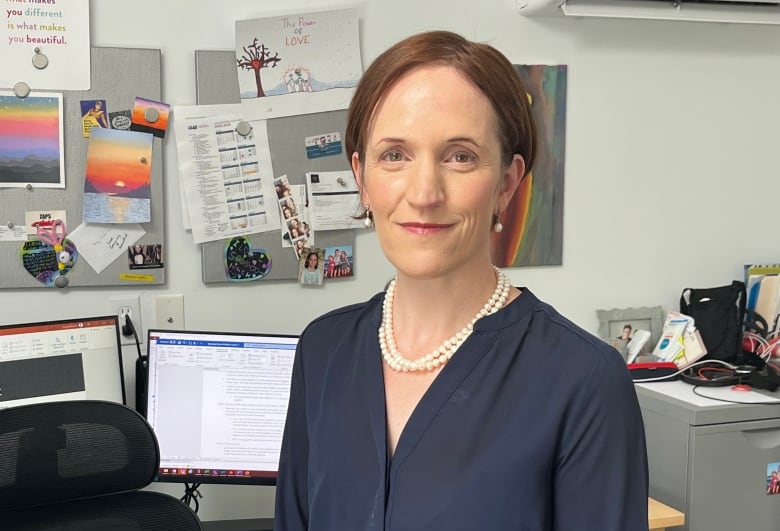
point(533, 222)
point(117, 187)
point(31, 149)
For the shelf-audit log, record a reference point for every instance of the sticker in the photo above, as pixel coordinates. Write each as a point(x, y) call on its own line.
point(40, 260)
point(243, 263)
point(150, 116)
point(323, 145)
point(93, 114)
point(145, 256)
point(339, 261)
point(136, 277)
point(120, 119)
point(310, 267)
point(773, 478)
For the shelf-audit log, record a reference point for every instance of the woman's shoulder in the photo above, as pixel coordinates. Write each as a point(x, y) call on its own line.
point(345, 318)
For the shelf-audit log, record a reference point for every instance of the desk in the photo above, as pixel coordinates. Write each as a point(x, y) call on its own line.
point(660, 516)
point(709, 458)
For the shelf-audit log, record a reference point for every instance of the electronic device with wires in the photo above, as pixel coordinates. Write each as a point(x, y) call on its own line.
point(68, 359)
point(711, 375)
point(217, 402)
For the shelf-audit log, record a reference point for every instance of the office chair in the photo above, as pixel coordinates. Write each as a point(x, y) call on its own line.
point(79, 465)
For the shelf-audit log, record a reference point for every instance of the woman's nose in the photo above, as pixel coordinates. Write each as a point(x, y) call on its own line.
point(426, 186)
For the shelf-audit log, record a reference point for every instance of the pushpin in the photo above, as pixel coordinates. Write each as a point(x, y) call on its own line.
point(151, 115)
point(22, 89)
point(61, 281)
point(10, 224)
point(39, 60)
point(243, 128)
point(143, 160)
point(29, 186)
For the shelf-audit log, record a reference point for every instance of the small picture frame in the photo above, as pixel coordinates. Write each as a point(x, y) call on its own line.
point(614, 324)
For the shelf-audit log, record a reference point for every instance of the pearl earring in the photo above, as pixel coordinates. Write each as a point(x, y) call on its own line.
point(367, 221)
point(497, 226)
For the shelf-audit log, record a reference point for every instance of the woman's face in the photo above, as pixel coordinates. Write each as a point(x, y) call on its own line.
point(312, 261)
point(432, 173)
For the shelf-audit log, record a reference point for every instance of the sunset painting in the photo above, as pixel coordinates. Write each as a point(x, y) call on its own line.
point(117, 187)
point(31, 140)
point(140, 123)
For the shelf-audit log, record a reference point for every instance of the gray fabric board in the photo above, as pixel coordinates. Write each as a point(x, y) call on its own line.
point(217, 84)
point(118, 76)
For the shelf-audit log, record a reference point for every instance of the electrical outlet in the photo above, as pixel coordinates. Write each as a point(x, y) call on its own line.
point(127, 305)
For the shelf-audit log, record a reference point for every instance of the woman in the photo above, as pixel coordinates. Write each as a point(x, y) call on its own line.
point(311, 273)
point(453, 400)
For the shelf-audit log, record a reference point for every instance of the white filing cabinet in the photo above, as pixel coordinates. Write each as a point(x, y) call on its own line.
point(709, 459)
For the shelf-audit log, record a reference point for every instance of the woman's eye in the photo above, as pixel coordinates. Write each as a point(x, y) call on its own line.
point(462, 157)
point(393, 156)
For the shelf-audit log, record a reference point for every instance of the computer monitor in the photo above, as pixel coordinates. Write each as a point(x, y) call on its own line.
point(217, 402)
point(69, 359)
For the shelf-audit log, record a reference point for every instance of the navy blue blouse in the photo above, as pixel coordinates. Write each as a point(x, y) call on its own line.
point(533, 425)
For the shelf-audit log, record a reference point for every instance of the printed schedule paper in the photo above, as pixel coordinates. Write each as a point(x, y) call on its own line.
point(226, 178)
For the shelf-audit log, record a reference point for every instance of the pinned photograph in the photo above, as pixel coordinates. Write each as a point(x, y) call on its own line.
point(338, 261)
point(145, 256)
point(773, 478)
point(310, 267)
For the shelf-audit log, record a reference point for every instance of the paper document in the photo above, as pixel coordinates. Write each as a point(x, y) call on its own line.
point(227, 178)
point(334, 199)
point(102, 243)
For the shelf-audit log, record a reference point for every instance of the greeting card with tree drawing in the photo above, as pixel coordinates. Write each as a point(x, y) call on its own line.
point(297, 64)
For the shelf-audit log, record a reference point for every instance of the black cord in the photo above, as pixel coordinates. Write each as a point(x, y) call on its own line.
point(697, 393)
point(191, 495)
point(129, 328)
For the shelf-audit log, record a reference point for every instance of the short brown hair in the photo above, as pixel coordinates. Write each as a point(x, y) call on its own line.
point(484, 66)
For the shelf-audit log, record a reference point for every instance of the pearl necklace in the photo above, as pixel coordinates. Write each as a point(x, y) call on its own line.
point(446, 350)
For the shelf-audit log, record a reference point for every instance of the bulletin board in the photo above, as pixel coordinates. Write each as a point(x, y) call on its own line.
point(119, 75)
point(216, 83)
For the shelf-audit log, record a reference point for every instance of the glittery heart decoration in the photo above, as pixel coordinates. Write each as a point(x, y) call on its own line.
point(243, 263)
point(40, 260)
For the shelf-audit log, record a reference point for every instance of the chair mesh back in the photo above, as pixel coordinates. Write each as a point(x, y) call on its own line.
point(131, 511)
point(68, 450)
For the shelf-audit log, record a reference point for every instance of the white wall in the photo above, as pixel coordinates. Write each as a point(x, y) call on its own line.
point(671, 179)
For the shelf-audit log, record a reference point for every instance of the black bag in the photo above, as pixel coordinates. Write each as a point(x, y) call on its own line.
point(719, 314)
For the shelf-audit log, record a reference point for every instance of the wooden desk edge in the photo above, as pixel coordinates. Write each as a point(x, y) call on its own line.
point(660, 516)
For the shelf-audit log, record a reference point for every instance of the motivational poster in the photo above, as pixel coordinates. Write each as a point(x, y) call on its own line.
point(59, 30)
